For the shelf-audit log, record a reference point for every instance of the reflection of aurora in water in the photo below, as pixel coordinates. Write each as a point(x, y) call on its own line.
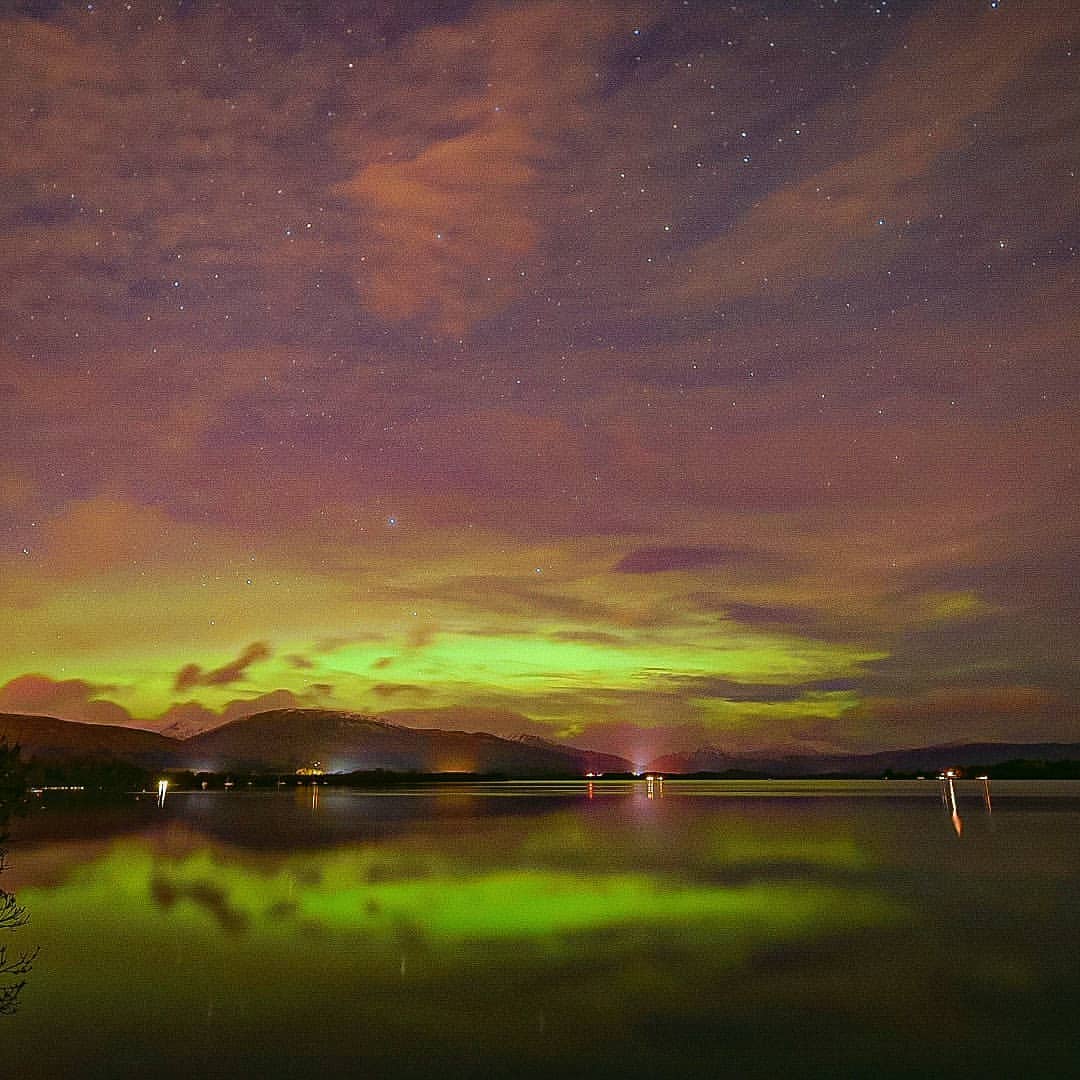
point(365, 893)
point(472, 936)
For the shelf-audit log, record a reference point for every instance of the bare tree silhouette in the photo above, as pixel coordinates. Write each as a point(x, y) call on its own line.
point(12, 913)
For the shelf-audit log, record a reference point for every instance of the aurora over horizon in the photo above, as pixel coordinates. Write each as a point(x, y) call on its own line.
point(640, 375)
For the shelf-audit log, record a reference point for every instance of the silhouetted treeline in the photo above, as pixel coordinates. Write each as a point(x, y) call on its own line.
point(1019, 769)
point(13, 782)
point(391, 777)
point(183, 780)
point(192, 781)
point(94, 775)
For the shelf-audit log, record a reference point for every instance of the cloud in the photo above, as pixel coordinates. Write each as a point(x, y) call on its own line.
point(16, 489)
point(505, 722)
point(494, 594)
point(658, 560)
point(794, 619)
point(950, 713)
point(692, 686)
point(191, 675)
point(458, 163)
point(106, 534)
point(77, 699)
point(965, 703)
point(449, 228)
point(328, 645)
point(184, 718)
point(1046, 573)
point(863, 209)
point(390, 690)
point(134, 153)
point(67, 699)
point(787, 617)
point(588, 637)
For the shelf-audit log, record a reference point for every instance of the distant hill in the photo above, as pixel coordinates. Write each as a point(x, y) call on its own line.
point(590, 760)
point(284, 740)
point(455, 718)
point(47, 739)
point(913, 760)
point(186, 729)
point(287, 739)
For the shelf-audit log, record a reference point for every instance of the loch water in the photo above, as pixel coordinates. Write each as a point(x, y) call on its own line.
point(609, 929)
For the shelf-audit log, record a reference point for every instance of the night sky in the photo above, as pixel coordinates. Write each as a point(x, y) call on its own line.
point(641, 375)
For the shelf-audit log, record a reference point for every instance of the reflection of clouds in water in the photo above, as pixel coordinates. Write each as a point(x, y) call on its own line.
point(385, 895)
point(282, 910)
point(203, 894)
point(510, 881)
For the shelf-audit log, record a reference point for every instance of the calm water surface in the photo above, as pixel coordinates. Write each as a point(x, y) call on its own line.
point(524, 930)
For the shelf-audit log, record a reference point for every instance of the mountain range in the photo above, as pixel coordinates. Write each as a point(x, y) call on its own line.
point(912, 760)
point(284, 740)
